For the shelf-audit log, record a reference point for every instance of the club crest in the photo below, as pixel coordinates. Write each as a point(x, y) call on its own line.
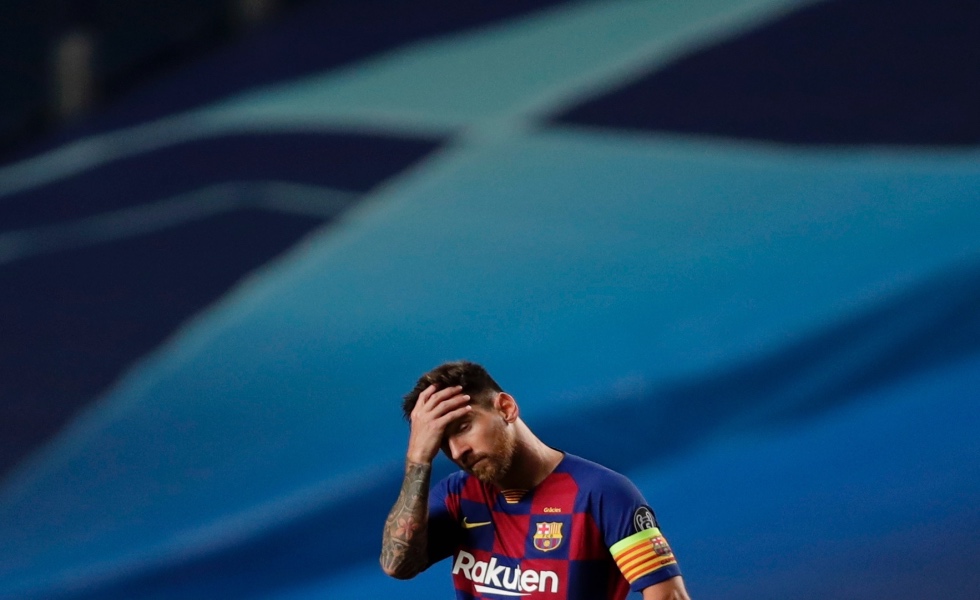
point(547, 536)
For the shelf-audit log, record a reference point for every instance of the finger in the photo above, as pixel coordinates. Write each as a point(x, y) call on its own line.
point(449, 404)
point(420, 405)
point(443, 394)
point(451, 416)
point(426, 393)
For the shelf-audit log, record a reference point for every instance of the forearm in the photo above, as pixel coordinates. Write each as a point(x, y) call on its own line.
point(403, 545)
point(672, 589)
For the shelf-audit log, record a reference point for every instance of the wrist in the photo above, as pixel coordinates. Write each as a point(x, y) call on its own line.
point(420, 454)
point(418, 458)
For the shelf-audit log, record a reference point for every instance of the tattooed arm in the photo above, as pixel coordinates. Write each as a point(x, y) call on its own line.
point(403, 545)
point(406, 536)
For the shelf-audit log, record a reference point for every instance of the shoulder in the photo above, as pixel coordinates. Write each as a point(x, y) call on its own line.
point(448, 492)
point(595, 478)
point(460, 485)
point(454, 483)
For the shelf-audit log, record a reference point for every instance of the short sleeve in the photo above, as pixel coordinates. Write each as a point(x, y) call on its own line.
point(443, 521)
point(632, 534)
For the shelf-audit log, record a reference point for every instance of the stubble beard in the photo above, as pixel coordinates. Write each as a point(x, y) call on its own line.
point(498, 462)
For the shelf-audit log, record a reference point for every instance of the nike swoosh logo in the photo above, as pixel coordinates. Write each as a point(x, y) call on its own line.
point(469, 525)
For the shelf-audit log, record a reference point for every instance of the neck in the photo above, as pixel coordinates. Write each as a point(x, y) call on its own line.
point(533, 461)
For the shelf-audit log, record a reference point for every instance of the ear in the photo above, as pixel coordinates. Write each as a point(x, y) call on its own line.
point(505, 404)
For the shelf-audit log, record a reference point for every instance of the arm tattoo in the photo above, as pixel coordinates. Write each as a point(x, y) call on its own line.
point(403, 545)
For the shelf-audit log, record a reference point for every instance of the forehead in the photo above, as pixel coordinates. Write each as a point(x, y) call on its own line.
point(478, 413)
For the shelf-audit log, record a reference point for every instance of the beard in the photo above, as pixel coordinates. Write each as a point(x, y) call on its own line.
point(494, 465)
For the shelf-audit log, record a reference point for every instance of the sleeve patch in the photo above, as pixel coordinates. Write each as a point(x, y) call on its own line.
point(642, 553)
point(643, 519)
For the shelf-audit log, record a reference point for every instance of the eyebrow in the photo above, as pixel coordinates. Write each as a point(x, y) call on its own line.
point(455, 423)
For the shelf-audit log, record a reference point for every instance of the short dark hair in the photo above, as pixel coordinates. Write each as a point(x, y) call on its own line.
point(475, 380)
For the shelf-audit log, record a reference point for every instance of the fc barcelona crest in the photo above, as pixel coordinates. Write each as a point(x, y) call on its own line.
point(547, 536)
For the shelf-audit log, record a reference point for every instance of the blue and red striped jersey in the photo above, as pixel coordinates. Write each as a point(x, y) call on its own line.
point(584, 533)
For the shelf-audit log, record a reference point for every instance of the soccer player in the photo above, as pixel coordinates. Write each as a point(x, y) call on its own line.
point(521, 519)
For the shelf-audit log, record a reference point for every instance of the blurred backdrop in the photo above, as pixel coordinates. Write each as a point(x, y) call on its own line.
point(730, 248)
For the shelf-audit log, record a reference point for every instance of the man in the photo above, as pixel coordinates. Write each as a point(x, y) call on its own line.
point(521, 519)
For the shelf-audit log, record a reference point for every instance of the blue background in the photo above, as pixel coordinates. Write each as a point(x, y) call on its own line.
point(729, 248)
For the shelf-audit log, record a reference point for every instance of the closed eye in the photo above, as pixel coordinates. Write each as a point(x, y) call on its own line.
point(461, 425)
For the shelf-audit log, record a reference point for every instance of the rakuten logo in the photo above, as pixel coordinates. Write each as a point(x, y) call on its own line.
point(491, 578)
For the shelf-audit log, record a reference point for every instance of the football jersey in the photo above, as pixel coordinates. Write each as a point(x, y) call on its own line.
point(584, 533)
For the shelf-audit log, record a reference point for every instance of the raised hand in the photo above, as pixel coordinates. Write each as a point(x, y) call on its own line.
point(433, 412)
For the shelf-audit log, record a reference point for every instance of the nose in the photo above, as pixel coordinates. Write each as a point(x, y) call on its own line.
point(457, 448)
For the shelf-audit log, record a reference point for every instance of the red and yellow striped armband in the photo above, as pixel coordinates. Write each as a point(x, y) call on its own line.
point(642, 553)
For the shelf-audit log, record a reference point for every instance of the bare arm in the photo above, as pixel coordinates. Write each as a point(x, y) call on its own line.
point(671, 589)
point(406, 535)
point(403, 545)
